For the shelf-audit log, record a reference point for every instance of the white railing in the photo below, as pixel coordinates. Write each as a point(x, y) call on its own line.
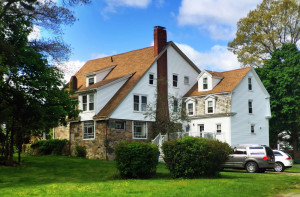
point(208, 135)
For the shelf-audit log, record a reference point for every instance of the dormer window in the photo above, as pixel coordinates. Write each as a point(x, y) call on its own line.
point(91, 81)
point(210, 102)
point(205, 86)
point(88, 102)
point(210, 108)
point(190, 109)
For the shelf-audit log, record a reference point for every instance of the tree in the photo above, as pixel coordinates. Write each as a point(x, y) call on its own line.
point(32, 94)
point(265, 29)
point(280, 76)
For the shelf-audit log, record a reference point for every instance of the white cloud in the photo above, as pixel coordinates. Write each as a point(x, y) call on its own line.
point(70, 68)
point(218, 58)
point(113, 4)
point(219, 17)
point(35, 34)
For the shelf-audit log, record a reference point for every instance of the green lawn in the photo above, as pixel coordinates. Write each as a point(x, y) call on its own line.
point(68, 176)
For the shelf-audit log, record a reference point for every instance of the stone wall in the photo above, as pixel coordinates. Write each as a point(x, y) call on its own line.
point(106, 138)
point(62, 132)
point(223, 104)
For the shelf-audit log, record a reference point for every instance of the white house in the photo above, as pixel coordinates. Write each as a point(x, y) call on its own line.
point(231, 106)
point(114, 92)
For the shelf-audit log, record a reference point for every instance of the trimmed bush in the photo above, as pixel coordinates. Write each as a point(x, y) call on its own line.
point(47, 147)
point(192, 157)
point(136, 159)
point(80, 151)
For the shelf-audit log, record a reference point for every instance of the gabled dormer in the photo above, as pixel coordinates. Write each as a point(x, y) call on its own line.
point(207, 80)
point(97, 76)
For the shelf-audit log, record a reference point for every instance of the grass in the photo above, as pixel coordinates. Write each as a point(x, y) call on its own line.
point(69, 176)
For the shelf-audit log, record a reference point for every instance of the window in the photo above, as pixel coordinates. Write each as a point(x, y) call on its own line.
point(84, 103)
point(91, 102)
point(277, 153)
point(204, 83)
point(249, 83)
point(219, 128)
point(175, 105)
point(175, 80)
point(190, 109)
point(91, 81)
point(88, 102)
point(139, 130)
point(201, 129)
point(252, 128)
point(210, 108)
point(151, 79)
point(139, 103)
point(88, 130)
point(120, 125)
point(186, 80)
point(250, 109)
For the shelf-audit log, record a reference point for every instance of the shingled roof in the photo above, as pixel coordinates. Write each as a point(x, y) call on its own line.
point(230, 79)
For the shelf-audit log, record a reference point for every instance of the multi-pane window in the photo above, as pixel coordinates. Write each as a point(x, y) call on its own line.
point(219, 128)
point(190, 109)
point(204, 83)
point(201, 129)
point(252, 128)
point(120, 125)
point(91, 81)
point(250, 109)
point(175, 105)
point(151, 79)
point(88, 130)
point(249, 83)
point(139, 103)
point(139, 129)
point(84, 103)
point(175, 80)
point(88, 102)
point(186, 80)
point(210, 107)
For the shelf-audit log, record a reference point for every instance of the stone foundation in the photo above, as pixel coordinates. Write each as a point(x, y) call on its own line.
point(62, 132)
point(106, 138)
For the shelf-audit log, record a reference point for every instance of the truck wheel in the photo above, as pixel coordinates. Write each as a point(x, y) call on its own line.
point(251, 167)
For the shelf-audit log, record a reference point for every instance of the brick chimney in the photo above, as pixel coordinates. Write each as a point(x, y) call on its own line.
point(162, 107)
point(73, 83)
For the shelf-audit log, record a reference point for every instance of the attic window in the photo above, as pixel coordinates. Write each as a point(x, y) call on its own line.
point(249, 83)
point(91, 81)
point(186, 80)
point(151, 79)
point(175, 80)
point(204, 83)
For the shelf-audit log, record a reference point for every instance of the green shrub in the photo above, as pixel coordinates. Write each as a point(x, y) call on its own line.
point(192, 157)
point(80, 151)
point(136, 159)
point(52, 146)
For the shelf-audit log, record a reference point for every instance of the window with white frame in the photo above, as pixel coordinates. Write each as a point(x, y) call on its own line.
point(151, 79)
point(139, 130)
point(210, 107)
point(91, 80)
point(88, 130)
point(252, 128)
point(88, 102)
point(186, 80)
point(175, 105)
point(139, 103)
point(205, 86)
point(190, 109)
point(175, 80)
point(219, 129)
point(249, 83)
point(120, 125)
point(250, 109)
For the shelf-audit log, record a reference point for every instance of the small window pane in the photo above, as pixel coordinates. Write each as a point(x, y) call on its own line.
point(204, 83)
point(139, 129)
point(91, 81)
point(250, 107)
point(252, 128)
point(249, 84)
point(210, 108)
point(120, 125)
point(186, 80)
point(136, 102)
point(190, 109)
point(175, 107)
point(151, 79)
point(144, 103)
point(91, 102)
point(88, 130)
point(218, 128)
point(84, 103)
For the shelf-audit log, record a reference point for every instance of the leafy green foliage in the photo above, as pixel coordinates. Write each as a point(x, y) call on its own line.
point(80, 151)
point(136, 159)
point(265, 29)
point(52, 146)
point(280, 76)
point(192, 157)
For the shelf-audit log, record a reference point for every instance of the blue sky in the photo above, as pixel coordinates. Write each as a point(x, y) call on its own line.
point(201, 29)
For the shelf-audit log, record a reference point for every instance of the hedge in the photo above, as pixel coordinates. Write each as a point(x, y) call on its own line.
point(192, 157)
point(136, 159)
point(47, 147)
